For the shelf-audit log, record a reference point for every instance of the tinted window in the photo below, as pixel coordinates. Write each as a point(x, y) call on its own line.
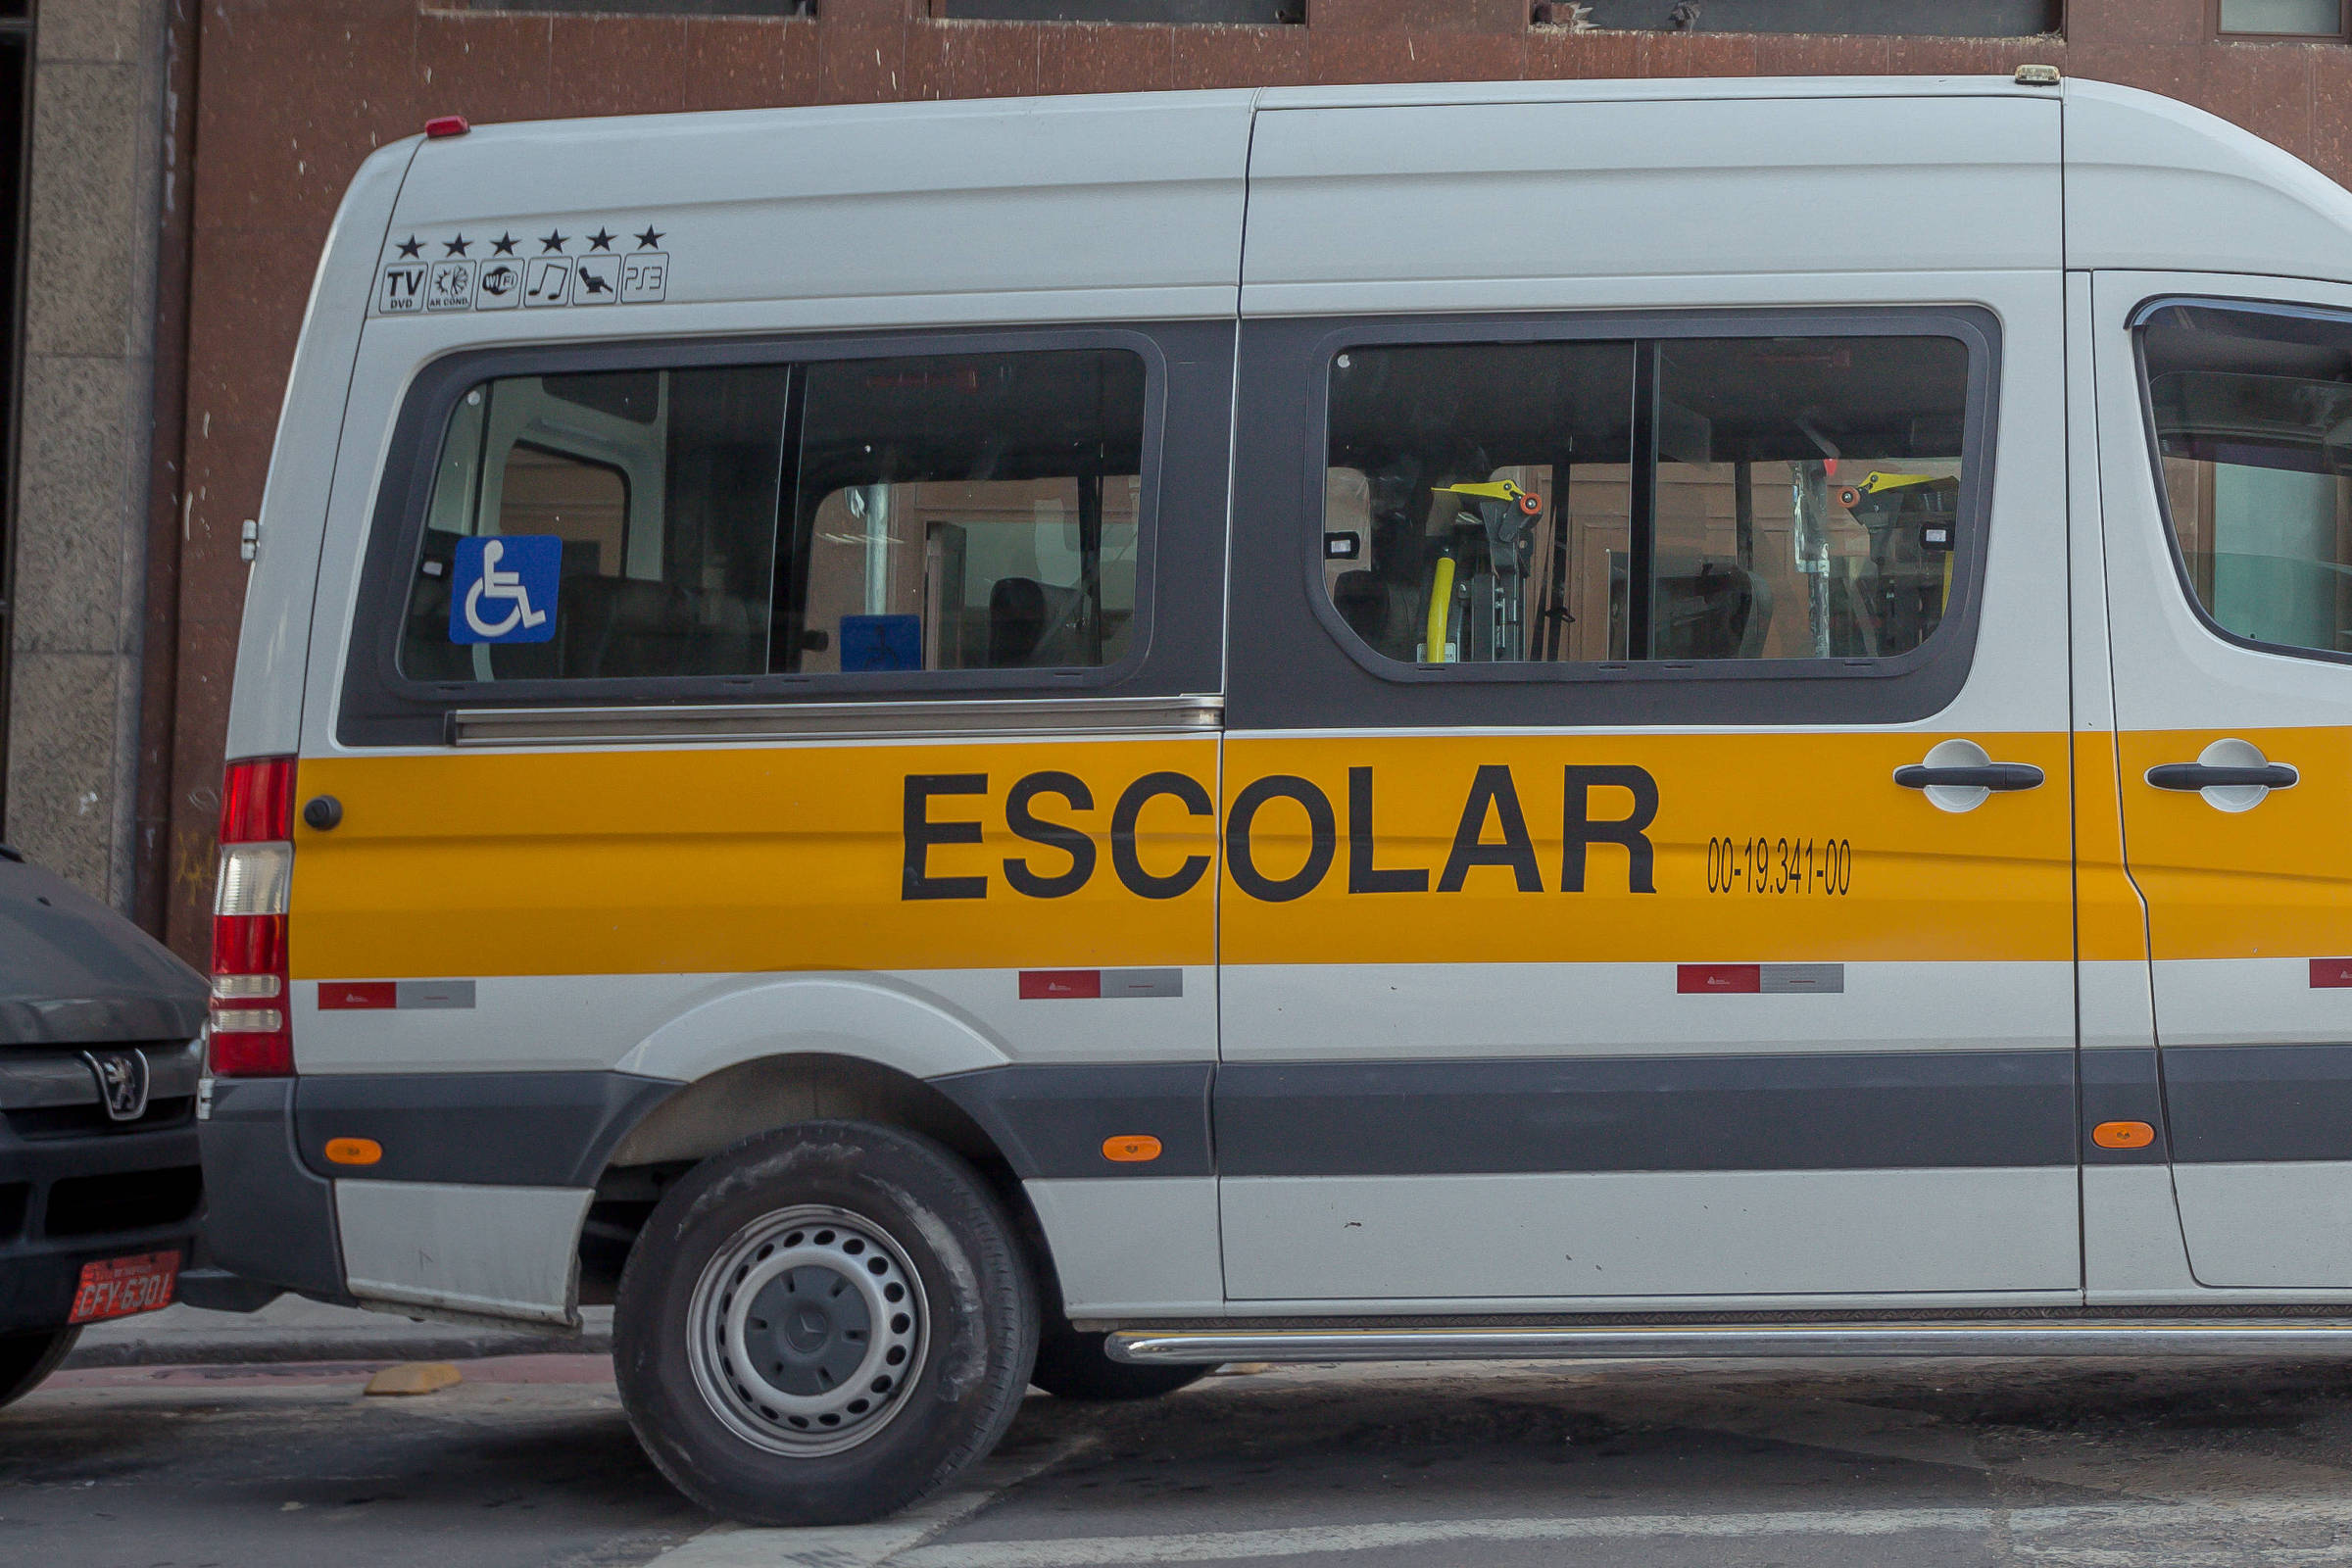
point(659, 489)
point(2253, 417)
point(852, 517)
point(966, 513)
point(1688, 499)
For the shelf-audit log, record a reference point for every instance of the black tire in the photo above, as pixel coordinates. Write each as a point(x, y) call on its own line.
point(27, 1358)
point(1071, 1365)
point(767, 1414)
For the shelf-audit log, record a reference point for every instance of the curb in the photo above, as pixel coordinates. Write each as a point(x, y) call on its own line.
point(251, 1348)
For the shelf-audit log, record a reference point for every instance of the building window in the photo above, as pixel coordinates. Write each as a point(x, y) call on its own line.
point(1951, 19)
point(2280, 19)
point(1260, 12)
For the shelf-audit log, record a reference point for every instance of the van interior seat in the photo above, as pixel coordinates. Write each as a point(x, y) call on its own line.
point(1033, 623)
point(1708, 608)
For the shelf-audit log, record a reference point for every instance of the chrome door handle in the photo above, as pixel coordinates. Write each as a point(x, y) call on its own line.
point(1988, 776)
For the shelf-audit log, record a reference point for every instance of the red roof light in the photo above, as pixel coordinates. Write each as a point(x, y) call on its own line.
point(441, 125)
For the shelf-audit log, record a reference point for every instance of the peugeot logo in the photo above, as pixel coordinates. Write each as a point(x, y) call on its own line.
point(121, 1082)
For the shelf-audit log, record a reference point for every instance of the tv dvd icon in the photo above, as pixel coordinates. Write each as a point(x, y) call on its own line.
point(402, 291)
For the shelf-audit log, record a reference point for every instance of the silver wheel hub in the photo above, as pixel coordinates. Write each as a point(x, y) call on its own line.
point(809, 1327)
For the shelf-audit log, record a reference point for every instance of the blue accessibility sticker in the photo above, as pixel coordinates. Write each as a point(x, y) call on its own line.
point(881, 642)
point(503, 588)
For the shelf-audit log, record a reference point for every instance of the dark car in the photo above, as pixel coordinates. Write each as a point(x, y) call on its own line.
point(101, 1047)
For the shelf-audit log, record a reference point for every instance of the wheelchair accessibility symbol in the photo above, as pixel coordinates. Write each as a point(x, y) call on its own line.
point(502, 589)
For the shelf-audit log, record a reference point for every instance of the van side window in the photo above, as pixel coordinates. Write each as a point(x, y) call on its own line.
point(655, 493)
point(966, 513)
point(2252, 411)
point(850, 517)
point(1674, 499)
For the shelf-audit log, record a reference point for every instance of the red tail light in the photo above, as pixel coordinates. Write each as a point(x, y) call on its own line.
point(256, 801)
point(251, 1035)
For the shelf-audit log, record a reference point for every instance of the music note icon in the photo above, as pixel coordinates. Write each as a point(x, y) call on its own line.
point(549, 281)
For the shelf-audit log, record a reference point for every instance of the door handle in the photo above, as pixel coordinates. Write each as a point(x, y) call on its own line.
point(1957, 775)
point(2206, 776)
point(1984, 776)
point(2232, 776)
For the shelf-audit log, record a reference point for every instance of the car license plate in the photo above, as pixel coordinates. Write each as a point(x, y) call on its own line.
point(118, 1287)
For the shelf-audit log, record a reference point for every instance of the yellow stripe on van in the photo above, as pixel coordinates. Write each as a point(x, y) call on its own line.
point(2112, 921)
point(738, 858)
point(2271, 882)
point(1403, 848)
point(1765, 847)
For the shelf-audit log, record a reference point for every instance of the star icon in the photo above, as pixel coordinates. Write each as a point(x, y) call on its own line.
point(553, 241)
point(411, 246)
point(600, 240)
point(649, 238)
point(503, 245)
point(455, 247)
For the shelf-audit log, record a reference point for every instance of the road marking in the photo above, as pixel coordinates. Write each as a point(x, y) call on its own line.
point(865, 1545)
point(2025, 1523)
point(2172, 1557)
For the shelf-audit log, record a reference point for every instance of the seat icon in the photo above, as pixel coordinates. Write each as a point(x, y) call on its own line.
point(505, 586)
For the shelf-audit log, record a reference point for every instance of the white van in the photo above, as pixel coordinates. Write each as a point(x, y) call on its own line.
point(1526, 718)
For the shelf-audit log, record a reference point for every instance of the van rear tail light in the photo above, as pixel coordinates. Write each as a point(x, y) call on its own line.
point(251, 1036)
point(256, 801)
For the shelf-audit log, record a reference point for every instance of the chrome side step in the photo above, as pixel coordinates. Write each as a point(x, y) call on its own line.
point(2083, 1336)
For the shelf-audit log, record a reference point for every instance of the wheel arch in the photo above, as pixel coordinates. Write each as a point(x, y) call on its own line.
point(759, 1095)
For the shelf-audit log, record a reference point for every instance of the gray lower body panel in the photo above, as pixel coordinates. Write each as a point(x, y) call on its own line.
point(266, 1218)
point(1752, 1111)
point(490, 1129)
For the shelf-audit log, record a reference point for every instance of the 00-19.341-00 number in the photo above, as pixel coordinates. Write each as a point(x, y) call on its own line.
point(1785, 865)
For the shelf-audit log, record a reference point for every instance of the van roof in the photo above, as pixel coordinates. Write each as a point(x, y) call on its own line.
point(1135, 200)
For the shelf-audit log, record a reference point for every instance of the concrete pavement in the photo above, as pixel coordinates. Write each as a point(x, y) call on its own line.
point(1923, 1464)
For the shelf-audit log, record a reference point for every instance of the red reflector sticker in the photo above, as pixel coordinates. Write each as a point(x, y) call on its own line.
point(117, 1287)
point(1044, 985)
point(1697, 979)
point(343, 995)
point(2331, 973)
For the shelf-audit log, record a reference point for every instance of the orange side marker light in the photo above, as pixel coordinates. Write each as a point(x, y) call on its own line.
point(2122, 1135)
point(354, 1150)
point(1131, 1148)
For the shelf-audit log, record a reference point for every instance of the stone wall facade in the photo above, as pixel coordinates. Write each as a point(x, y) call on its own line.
point(97, 90)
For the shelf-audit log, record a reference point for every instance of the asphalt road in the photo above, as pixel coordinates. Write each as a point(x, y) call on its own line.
point(1657, 1465)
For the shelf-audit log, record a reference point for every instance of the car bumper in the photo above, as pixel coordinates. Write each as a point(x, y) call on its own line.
point(70, 1197)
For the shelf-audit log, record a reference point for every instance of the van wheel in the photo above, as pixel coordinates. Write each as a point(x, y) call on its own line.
point(1071, 1365)
point(27, 1358)
point(822, 1324)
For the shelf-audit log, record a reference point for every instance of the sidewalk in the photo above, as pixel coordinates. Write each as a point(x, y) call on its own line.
point(291, 1329)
